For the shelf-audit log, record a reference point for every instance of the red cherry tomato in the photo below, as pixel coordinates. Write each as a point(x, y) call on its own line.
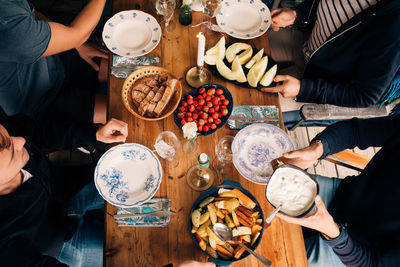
point(206, 128)
point(223, 107)
point(211, 111)
point(219, 91)
point(195, 116)
point(210, 120)
point(199, 107)
point(221, 97)
point(205, 108)
point(215, 101)
point(216, 108)
point(217, 121)
point(204, 95)
point(226, 102)
point(200, 128)
point(184, 103)
point(214, 116)
point(202, 90)
point(224, 112)
point(189, 119)
point(188, 114)
point(182, 109)
point(213, 126)
point(191, 108)
point(204, 116)
point(209, 104)
point(180, 115)
point(202, 102)
point(183, 121)
point(211, 91)
point(208, 98)
point(201, 122)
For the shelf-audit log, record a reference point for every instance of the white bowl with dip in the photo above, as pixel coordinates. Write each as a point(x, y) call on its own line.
point(294, 188)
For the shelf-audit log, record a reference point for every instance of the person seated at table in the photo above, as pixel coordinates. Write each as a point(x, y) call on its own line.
point(352, 52)
point(43, 208)
point(37, 76)
point(361, 226)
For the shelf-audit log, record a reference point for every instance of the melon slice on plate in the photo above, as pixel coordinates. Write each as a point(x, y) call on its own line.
point(234, 49)
point(269, 76)
point(255, 58)
point(246, 55)
point(257, 71)
point(238, 70)
point(216, 52)
point(225, 72)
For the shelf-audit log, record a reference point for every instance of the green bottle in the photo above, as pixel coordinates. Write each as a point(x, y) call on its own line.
point(185, 15)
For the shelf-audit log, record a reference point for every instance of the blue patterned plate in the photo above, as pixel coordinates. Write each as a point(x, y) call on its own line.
point(255, 146)
point(128, 175)
point(131, 33)
point(244, 19)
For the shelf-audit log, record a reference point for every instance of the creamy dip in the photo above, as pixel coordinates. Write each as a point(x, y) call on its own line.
point(293, 189)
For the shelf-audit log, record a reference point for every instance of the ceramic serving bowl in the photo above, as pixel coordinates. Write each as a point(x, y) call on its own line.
point(294, 188)
point(213, 191)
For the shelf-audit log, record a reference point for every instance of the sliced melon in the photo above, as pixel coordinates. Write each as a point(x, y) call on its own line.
point(226, 72)
point(255, 58)
point(238, 70)
point(216, 52)
point(257, 71)
point(246, 55)
point(234, 49)
point(211, 59)
point(269, 76)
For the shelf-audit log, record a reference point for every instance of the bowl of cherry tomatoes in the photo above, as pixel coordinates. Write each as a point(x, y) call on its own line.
point(209, 106)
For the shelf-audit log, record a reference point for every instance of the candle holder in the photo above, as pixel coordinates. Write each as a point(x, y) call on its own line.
point(197, 76)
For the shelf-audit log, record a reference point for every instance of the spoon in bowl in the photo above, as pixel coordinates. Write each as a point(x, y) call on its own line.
point(272, 215)
point(225, 234)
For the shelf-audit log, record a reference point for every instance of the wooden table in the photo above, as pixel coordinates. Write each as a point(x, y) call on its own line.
point(282, 243)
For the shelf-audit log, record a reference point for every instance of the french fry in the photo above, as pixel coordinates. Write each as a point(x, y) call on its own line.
point(204, 217)
point(244, 200)
point(222, 198)
point(246, 238)
point(220, 214)
point(201, 242)
point(228, 247)
point(229, 221)
point(245, 211)
point(255, 214)
point(224, 251)
point(196, 218)
point(256, 228)
point(254, 239)
point(212, 252)
point(243, 222)
point(213, 217)
point(238, 252)
point(206, 201)
point(244, 217)
point(235, 219)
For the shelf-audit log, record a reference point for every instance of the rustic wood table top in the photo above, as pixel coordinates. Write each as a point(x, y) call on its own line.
point(282, 243)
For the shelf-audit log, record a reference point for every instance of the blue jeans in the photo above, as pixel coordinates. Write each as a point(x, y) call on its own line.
point(319, 254)
point(85, 248)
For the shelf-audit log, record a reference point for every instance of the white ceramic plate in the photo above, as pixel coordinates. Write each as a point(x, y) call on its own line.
point(128, 175)
point(131, 33)
point(244, 19)
point(255, 146)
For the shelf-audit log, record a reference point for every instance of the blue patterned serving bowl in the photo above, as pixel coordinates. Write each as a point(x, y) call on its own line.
point(128, 175)
point(255, 146)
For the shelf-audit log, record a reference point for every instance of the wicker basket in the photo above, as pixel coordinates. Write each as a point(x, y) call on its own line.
point(149, 72)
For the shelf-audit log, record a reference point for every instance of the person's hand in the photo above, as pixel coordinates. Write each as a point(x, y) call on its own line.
point(282, 17)
point(196, 264)
point(287, 86)
point(89, 51)
point(304, 158)
point(113, 131)
point(319, 220)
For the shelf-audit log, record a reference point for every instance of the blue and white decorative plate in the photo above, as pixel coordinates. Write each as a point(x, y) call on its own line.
point(128, 175)
point(131, 33)
point(255, 146)
point(244, 19)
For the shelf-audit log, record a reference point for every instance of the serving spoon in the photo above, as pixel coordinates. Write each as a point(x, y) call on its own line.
point(225, 233)
point(272, 215)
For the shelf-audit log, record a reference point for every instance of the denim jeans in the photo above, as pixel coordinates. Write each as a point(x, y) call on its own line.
point(85, 247)
point(319, 254)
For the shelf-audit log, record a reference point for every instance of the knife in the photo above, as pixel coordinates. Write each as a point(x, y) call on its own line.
point(159, 213)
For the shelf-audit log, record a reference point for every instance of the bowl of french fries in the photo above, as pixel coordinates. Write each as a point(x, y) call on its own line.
point(228, 203)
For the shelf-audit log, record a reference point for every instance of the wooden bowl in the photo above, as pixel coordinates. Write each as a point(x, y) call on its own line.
point(143, 73)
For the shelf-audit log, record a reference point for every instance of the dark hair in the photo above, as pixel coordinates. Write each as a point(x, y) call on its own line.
point(5, 141)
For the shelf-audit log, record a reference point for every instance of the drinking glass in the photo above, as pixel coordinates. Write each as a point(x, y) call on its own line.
point(223, 154)
point(211, 9)
point(167, 147)
point(166, 9)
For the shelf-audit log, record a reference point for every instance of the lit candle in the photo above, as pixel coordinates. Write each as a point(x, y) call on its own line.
point(201, 45)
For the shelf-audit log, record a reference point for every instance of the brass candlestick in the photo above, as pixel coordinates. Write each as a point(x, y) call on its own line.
point(197, 76)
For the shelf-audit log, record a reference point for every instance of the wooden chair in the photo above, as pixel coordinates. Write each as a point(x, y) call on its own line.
point(349, 159)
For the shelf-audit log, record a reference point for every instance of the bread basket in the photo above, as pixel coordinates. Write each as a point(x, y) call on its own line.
point(149, 72)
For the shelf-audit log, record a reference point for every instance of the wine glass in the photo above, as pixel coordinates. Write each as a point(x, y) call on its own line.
point(167, 147)
point(223, 154)
point(166, 8)
point(211, 9)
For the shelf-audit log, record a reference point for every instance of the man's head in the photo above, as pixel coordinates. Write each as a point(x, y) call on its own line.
point(13, 156)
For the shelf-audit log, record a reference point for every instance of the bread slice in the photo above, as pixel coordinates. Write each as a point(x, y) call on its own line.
point(169, 92)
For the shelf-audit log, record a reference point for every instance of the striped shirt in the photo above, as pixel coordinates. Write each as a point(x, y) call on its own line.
point(331, 14)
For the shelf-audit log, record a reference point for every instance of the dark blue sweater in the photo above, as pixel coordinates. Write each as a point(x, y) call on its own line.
point(368, 204)
point(355, 66)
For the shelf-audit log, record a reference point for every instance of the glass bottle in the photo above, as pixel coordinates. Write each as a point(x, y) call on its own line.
point(185, 15)
point(200, 177)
